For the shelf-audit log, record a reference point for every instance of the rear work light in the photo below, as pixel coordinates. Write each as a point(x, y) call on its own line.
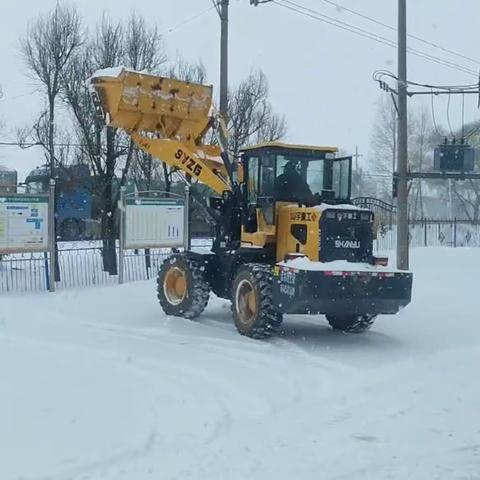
point(382, 261)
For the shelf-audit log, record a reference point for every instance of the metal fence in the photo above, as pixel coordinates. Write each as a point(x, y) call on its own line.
point(81, 265)
point(84, 267)
point(432, 233)
point(24, 272)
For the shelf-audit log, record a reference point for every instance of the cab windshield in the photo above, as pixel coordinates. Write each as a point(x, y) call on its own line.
point(35, 187)
point(298, 177)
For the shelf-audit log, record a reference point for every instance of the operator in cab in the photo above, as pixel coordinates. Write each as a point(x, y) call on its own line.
point(290, 186)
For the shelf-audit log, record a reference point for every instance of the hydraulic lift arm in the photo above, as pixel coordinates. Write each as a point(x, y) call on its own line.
point(178, 155)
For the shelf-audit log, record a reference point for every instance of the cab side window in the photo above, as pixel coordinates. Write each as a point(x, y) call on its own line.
point(267, 177)
point(267, 187)
point(253, 179)
point(250, 215)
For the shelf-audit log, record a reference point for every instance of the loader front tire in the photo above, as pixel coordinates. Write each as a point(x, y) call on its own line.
point(252, 308)
point(351, 323)
point(182, 287)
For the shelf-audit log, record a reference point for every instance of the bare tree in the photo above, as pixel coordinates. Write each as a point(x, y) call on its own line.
point(420, 158)
point(251, 117)
point(50, 42)
point(468, 192)
point(1, 96)
point(383, 144)
point(109, 151)
point(188, 72)
point(147, 171)
point(144, 48)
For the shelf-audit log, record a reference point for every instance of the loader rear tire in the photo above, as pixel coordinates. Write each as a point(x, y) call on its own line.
point(252, 308)
point(182, 287)
point(351, 323)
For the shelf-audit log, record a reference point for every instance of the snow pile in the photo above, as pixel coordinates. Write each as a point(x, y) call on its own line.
point(341, 206)
point(304, 263)
point(98, 384)
point(110, 72)
point(113, 72)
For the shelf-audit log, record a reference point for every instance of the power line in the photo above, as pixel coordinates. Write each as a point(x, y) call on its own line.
point(188, 20)
point(448, 115)
point(472, 132)
point(415, 37)
point(379, 74)
point(216, 5)
point(350, 28)
point(440, 89)
point(362, 32)
point(434, 119)
point(38, 144)
point(295, 7)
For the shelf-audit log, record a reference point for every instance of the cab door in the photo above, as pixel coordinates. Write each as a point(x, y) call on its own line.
point(266, 187)
point(258, 225)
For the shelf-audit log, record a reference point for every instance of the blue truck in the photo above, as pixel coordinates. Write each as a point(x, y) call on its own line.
point(8, 181)
point(76, 206)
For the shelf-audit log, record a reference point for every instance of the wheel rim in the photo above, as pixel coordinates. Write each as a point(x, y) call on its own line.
point(175, 286)
point(246, 302)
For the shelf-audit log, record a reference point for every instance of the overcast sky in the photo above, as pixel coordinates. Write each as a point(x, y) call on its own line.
point(319, 75)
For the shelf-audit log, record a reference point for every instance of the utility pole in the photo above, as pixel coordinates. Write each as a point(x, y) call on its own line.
point(358, 180)
point(402, 157)
point(224, 58)
point(357, 156)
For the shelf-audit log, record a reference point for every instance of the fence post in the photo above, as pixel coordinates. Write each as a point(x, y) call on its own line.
point(455, 232)
point(425, 241)
point(122, 235)
point(51, 234)
point(186, 219)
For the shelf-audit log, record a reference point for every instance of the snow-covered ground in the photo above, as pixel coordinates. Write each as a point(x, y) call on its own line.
point(98, 384)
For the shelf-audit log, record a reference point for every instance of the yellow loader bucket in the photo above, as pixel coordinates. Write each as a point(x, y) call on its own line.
point(140, 102)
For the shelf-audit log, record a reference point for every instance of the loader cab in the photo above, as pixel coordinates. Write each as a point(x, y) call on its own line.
point(277, 173)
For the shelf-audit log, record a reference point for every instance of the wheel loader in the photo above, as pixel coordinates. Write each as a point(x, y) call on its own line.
point(287, 239)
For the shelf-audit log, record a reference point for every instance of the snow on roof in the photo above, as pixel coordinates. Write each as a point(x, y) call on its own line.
point(342, 206)
point(6, 169)
point(291, 146)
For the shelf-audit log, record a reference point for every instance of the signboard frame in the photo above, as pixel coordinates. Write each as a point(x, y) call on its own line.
point(16, 200)
point(146, 199)
point(50, 232)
